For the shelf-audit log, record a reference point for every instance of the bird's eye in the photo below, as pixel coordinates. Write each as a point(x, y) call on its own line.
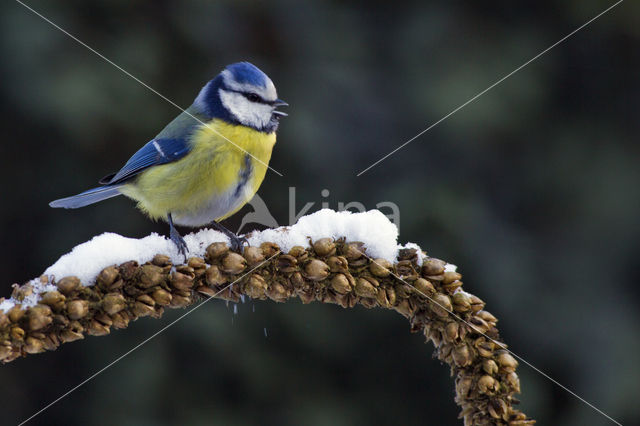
point(253, 97)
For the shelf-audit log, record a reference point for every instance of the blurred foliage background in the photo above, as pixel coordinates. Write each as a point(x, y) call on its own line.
point(533, 190)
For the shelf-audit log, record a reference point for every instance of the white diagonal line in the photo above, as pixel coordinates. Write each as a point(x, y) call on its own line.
point(88, 379)
point(498, 343)
point(146, 85)
point(491, 87)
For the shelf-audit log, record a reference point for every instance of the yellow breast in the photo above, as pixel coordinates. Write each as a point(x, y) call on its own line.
point(203, 186)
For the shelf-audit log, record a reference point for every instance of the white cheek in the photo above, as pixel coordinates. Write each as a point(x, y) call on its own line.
point(247, 113)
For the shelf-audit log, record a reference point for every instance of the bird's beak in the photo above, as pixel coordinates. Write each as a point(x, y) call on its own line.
point(279, 102)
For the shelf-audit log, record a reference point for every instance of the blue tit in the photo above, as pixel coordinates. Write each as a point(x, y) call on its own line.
point(208, 162)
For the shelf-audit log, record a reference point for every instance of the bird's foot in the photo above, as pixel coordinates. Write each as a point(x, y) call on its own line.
point(179, 242)
point(238, 242)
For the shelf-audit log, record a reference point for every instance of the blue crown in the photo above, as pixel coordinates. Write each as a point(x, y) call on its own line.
point(247, 73)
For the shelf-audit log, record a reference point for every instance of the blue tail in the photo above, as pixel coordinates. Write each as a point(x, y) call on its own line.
point(87, 197)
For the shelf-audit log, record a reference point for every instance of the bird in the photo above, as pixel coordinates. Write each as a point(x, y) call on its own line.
point(205, 164)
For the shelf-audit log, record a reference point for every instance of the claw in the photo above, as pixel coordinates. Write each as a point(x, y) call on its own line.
point(179, 242)
point(237, 243)
point(177, 238)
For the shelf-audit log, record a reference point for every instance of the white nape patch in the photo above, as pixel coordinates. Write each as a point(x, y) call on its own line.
point(86, 260)
point(248, 113)
point(267, 93)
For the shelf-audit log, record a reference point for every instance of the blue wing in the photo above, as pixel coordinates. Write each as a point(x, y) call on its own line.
point(155, 152)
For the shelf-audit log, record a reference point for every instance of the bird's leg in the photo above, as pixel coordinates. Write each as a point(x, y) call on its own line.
point(237, 242)
point(177, 238)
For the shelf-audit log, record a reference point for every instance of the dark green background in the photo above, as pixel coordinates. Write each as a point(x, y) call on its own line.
point(532, 190)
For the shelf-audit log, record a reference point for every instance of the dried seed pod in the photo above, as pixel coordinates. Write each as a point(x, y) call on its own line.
point(233, 263)
point(452, 287)
point(478, 325)
point(490, 367)
point(33, 345)
point(484, 347)
point(487, 384)
point(316, 270)
point(277, 292)
point(214, 277)
point(410, 254)
point(161, 260)
point(451, 331)
point(16, 313)
point(296, 279)
point(391, 295)
point(424, 287)
point(4, 319)
point(150, 276)
point(462, 355)
point(142, 309)
point(68, 285)
point(488, 317)
point(444, 353)
point(287, 263)
point(162, 297)
point(338, 264)
point(405, 270)
point(433, 266)
point(497, 408)
point(113, 302)
point(461, 301)
point(380, 267)
point(253, 255)
point(269, 249)
point(476, 303)
point(451, 276)
point(441, 305)
point(434, 335)
point(383, 298)
point(353, 250)
point(120, 320)
point(404, 308)
point(255, 287)
point(77, 309)
point(324, 247)
point(513, 381)
point(55, 300)
point(463, 387)
point(181, 281)
point(5, 351)
point(51, 341)
point(196, 263)
point(214, 251)
point(507, 362)
point(103, 318)
point(340, 284)
point(364, 288)
point(70, 336)
point(208, 291)
point(95, 328)
point(297, 251)
point(39, 317)
point(16, 333)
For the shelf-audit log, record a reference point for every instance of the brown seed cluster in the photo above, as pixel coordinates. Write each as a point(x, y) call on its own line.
point(329, 272)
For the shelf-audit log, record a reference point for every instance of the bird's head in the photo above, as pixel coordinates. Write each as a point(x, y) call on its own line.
point(242, 94)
